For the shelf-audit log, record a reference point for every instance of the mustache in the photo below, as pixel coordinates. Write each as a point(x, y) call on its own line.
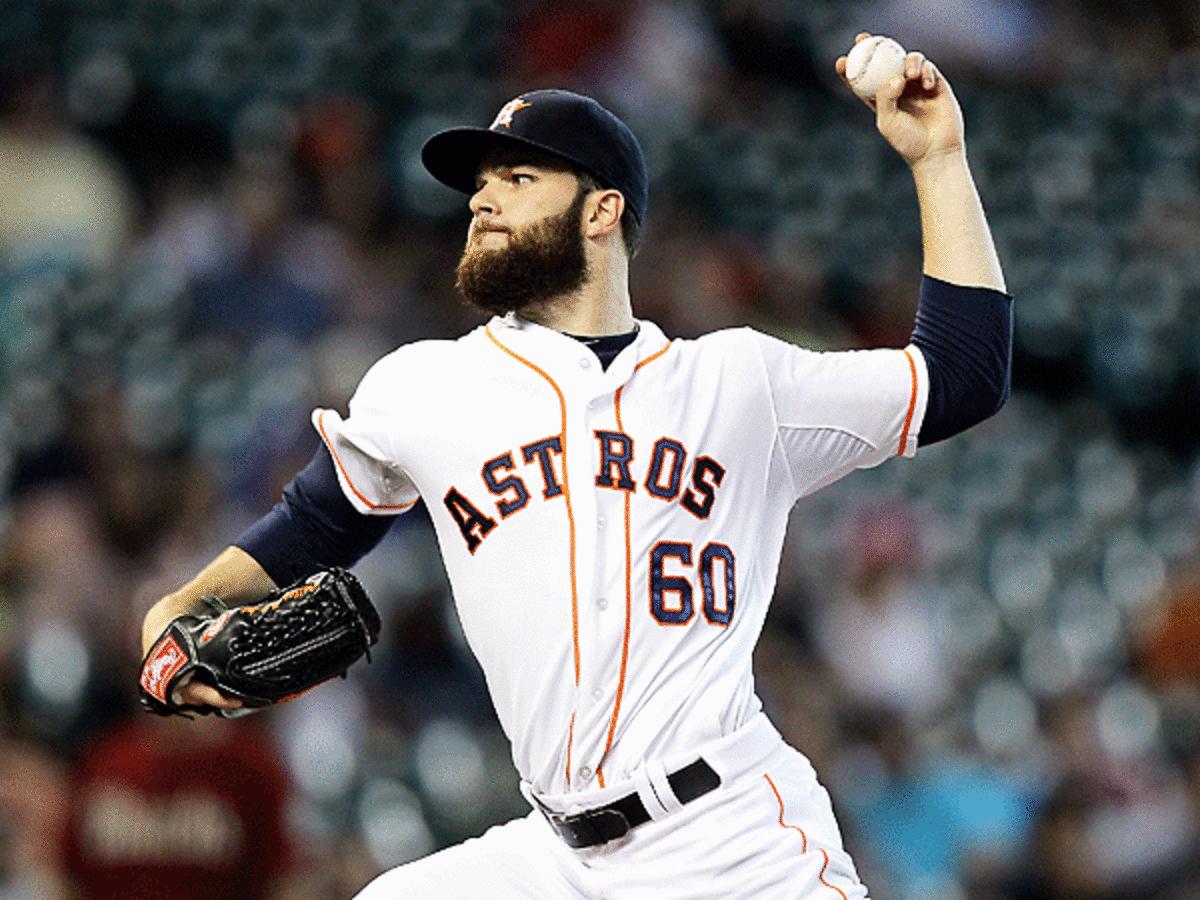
point(482, 226)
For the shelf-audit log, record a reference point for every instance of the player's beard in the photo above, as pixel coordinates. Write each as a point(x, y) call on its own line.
point(540, 263)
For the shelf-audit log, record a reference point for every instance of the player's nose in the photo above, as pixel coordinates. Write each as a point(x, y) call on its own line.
point(483, 202)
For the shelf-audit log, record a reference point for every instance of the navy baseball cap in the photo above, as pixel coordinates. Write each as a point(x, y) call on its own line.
point(569, 126)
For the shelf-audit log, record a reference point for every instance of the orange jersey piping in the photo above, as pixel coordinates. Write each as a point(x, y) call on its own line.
point(570, 742)
point(612, 725)
point(912, 404)
point(562, 407)
point(804, 840)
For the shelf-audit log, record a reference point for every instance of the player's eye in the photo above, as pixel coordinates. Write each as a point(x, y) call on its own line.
point(522, 178)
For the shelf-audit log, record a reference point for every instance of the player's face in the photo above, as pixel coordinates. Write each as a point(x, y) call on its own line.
point(526, 245)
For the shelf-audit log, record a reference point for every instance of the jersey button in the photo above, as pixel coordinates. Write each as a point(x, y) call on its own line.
point(602, 522)
point(597, 694)
point(585, 773)
point(584, 362)
point(602, 603)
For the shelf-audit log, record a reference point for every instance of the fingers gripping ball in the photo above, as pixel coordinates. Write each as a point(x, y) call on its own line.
point(872, 63)
point(291, 641)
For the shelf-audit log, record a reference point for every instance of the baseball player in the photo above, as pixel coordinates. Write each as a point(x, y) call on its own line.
point(610, 504)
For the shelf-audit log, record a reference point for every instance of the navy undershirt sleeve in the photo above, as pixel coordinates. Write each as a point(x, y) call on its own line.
point(314, 526)
point(965, 335)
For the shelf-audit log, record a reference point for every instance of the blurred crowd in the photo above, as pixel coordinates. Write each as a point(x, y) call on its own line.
point(213, 218)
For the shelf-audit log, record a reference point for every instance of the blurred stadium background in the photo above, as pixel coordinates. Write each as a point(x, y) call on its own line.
point(213, 218)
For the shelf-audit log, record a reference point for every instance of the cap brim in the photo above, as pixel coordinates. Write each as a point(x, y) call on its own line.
point(453, 156)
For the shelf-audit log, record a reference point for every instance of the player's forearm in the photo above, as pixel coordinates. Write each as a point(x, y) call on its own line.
point(956, 239)
point(234, 576)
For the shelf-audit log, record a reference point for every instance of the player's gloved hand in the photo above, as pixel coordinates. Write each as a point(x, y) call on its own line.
point(234, 661)
point(917, 113)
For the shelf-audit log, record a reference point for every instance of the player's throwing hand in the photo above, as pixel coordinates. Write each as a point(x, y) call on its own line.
point(916, 112)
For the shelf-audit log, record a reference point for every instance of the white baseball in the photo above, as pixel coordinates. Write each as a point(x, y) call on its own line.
point(873, 63)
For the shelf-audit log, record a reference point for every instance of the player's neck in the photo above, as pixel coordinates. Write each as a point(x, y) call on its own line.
point(601, 307)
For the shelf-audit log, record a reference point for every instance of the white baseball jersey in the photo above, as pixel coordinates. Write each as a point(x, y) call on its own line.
point(612, 538)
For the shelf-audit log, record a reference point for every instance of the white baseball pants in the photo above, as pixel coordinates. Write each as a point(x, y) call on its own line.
point(767, 833)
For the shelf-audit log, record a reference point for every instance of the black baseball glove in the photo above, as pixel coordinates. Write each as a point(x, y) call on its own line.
point(291, 641)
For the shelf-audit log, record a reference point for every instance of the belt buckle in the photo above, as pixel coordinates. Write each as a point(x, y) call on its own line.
point(588, 829)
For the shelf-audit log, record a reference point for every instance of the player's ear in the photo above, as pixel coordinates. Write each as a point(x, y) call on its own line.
point(602, 213)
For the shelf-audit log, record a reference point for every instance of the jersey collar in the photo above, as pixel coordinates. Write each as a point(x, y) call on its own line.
point(568, 359)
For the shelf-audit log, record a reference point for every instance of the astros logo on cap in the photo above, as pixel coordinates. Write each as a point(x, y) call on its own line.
point(504, 117)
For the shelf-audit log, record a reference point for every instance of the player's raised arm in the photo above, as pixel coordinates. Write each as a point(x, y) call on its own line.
point(964, 317)
point(917, 113)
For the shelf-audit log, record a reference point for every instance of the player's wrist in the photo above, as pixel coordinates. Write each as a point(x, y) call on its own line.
point(153, 625)
point(938, 162)
point(162, 614)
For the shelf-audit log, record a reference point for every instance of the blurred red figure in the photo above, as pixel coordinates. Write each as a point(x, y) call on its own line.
point(159, 810)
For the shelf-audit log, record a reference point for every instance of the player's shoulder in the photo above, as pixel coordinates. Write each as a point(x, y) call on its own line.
point(720, 341)
point(757, 356)
point(743, 341)
point(728, 359)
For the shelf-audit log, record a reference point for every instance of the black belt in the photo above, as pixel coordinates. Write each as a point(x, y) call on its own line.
point(613, 820)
